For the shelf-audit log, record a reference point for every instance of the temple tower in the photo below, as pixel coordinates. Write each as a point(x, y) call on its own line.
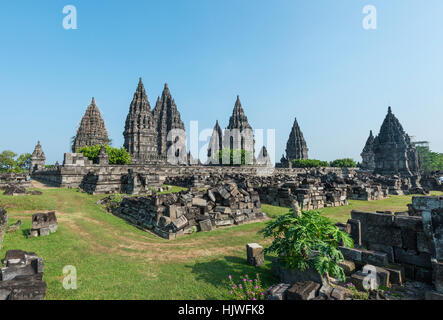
point(296, 147)
point(368, 154)
point(140, 129)
point(394, 153)
point(92, 130)
point(239, 134)
point(215, 145)
point(167, 117)
point(38, 159)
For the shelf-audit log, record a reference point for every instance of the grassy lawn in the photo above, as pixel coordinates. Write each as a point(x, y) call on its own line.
point(115, 260)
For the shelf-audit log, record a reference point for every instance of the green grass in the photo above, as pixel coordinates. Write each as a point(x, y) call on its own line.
point(115, 260)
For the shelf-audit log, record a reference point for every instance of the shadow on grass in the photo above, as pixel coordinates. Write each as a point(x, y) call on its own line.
point(216, 271)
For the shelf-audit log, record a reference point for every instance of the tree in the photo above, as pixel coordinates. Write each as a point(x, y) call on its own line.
point(344, 163)
point(24, 162)
point(429, 161)
point(308, 240)
point(7, 161)
point(116, 155)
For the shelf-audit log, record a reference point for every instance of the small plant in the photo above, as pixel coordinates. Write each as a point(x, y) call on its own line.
point(247, 289)
point(308, 240)
point(357, 295)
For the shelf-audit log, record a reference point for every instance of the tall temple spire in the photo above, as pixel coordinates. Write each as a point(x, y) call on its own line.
point(238, 119)
point(92, 129)
point(239, 134)
point(140, 135)
point(393, 150)
point(296, 147)
point(38, 158)
point(167, 117)
point(368, 153)
point(215, 144)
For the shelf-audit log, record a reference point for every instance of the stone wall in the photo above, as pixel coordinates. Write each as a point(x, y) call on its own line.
point(408, 241)
point(176, 214)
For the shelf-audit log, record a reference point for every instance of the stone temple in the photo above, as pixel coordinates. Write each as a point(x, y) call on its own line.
point(239, 134)
point(92, 130)
point(394, 153)
point(296, 147)
point(215, 145)
point(140, 128)
point(367, 154)
point(38, 158)
point(167, 117)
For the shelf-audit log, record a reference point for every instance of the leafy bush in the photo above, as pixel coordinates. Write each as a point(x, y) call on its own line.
point(236, 157)
point(116, 156)
point(309, 163)
point(344, 163)
point(430, 161)
point(308, 241)
point(247, 289)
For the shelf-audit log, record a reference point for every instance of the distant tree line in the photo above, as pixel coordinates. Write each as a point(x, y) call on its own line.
point(313, 163)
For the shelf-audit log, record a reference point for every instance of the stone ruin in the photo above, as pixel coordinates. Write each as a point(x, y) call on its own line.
point(393, 151)
point(296, 147)
point(92, 130)
point(3, 224)
point(367, 154)
point(22, 277)
point(12, 178)
point(43, 224)
point(176, 214)
point(401, 251)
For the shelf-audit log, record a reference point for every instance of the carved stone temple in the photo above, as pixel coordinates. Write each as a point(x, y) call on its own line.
point(296, 147)
point(92, 130)
point(239, 134)
point(367, 154)
point(394, 153)
point(215, 145)
point(140, 128)
point(167, 117)
point(38, 159)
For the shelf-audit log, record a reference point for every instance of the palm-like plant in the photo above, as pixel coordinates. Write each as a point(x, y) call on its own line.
point(309, 240)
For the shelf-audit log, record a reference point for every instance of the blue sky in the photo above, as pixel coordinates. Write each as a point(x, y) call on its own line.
point(285, 58)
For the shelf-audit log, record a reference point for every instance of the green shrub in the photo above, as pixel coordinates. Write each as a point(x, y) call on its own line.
point(308, 241)
point(116, 155)
point(344, 163)
point(430, 161)
point(309, 163)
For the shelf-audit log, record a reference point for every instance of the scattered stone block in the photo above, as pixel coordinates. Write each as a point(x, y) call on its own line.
point(205, 225)
point(43, 224)
point(255, 254)
point(348, 267)
point(22, 278)
point(277, 292)
point(14, 227)
point(303, 291)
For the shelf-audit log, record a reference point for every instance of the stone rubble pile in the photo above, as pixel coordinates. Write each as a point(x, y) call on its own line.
point(43, 224)
point(20, 179)
point(401, 246)
point(176, 214)
point(22, 277)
